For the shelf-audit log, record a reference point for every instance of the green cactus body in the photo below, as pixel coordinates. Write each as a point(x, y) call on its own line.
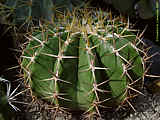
point(82, 65)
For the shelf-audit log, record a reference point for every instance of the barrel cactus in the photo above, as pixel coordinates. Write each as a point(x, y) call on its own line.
point(84, 62)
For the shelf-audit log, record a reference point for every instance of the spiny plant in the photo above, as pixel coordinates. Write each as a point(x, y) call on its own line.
point(86, 61)
point(20, 16)
point(8, 99)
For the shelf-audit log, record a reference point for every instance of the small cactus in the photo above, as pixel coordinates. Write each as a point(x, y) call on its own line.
point(7, 100)
point(84, 62)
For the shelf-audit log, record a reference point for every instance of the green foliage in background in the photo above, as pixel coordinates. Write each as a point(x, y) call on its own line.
point(27, 11)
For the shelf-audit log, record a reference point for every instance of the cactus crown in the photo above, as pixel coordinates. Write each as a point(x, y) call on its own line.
point(85, 61)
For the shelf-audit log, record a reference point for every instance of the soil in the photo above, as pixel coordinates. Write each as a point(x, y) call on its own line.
point(147, 108)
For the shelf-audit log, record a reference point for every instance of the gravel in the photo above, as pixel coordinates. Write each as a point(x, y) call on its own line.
point(147, 108)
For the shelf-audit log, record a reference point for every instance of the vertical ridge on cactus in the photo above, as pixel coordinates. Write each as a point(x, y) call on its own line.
point(84, 62)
